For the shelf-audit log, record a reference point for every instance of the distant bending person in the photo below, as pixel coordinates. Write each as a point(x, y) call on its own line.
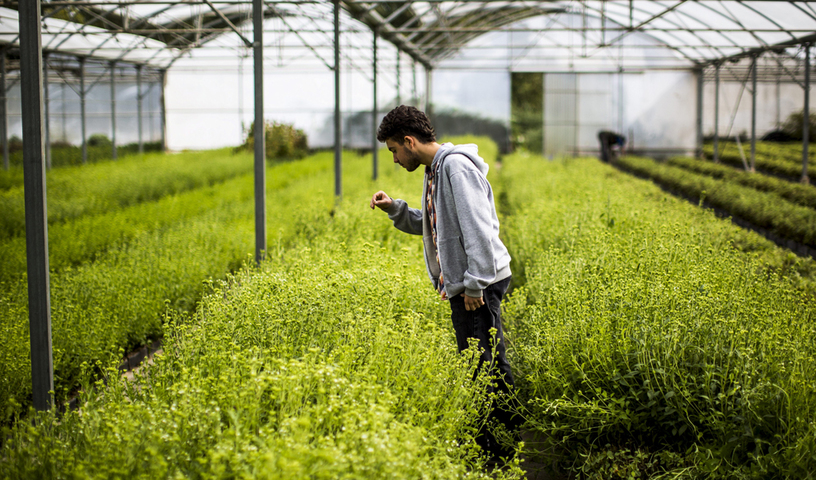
point(465, 258)
point(612, 145)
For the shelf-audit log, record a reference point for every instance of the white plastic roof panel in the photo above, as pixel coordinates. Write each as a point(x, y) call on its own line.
point(157, 32)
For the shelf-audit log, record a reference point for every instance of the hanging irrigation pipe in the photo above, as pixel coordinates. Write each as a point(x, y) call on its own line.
point(734, 116)
point(742, 153)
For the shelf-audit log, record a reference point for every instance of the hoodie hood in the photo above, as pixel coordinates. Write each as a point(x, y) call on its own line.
point(470, 150)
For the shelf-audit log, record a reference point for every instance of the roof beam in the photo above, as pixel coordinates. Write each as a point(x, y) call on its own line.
point(229, 23)
point(811, 39)
point(375, 21)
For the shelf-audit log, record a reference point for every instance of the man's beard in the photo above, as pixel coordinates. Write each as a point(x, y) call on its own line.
point(412, 162)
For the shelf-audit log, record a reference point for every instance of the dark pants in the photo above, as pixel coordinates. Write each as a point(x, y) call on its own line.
point(477, 324)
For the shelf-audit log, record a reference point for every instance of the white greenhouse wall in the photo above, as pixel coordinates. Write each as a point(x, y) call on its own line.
point(774, 103)
point(65, 122)
point(207, 109)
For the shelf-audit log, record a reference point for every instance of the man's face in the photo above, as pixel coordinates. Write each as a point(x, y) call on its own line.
point(403, 154)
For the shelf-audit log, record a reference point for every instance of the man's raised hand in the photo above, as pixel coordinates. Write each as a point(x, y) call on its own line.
point(381, 200)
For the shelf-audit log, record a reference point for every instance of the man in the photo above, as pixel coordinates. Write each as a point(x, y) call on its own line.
point(466, 261)
point(610, 140)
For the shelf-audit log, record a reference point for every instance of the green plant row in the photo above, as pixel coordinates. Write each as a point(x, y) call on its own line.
point(67, 155)
point(117, 301)
point(797, 193)
point(13, 177)
point(763, 209)
point(779, 159)
point(335, 360)
point(790, 152)
point(82, 239)
point(645, 344)
point(103, 187)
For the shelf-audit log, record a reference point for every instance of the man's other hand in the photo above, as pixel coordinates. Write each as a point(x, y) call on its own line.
point(381, 200)
point(472, 303)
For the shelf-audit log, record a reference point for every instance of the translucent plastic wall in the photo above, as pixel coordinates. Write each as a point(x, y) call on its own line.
point(65, 118)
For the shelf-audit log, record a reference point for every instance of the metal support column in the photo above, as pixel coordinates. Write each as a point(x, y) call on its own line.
point(3, 111)
point(259, 133)
point(414, 96)
point(39, 303)
point(699, 122)
point(163, 108)
point(374, 143)
point(139, 106)
point(47, 116)
point(717, 112)
point(114, 153)
point(806, 117)
point(428, 81)
point(82, 110)
point(399, 93)
point(753, 112)
point(338, 131)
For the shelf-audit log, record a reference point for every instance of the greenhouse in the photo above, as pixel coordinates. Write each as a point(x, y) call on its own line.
point(193, 283)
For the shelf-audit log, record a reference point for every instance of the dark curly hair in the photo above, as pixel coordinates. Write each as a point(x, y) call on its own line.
point(406, 120)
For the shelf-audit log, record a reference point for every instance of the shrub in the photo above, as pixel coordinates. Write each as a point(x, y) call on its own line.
point(283, 141)
point(793, 125)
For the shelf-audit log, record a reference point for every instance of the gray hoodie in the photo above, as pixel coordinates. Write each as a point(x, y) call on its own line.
point(470, 252)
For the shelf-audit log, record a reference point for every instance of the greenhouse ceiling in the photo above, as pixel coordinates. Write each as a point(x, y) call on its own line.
point(160, 32)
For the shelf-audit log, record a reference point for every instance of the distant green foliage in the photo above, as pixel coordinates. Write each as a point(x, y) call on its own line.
point(454, 123)
point(647, 346)
point(99, 148)
point(781, 159)
point(13, 177)
point(527, 111)
point(798, 193)
point(107, 186)
point(763, 209)
point(793, 125)
point(283, 141)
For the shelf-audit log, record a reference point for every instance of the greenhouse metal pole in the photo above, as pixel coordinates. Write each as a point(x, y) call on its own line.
point(338, 132)
point(82, 109)
point(39, 303)
point(699, 122)
point(163, 108)
point(114, 153)
point(3, 115)
point(139, 106)
point(806, 118)
point(414, 96)
point(259, 133)
point(399, 94)
point(717, 112)
point(753, 112)
point(374, 111)
point(428, 75)
point(46, 118)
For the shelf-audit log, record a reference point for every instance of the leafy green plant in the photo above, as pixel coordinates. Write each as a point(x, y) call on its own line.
point(116, 302)
point(283, 141)
point(646, 345)
point(98, 148)
point(104, 187)
point(780, 159)
point(798, 193)
point(793, 125)
point(763, 209)
point(335, 359)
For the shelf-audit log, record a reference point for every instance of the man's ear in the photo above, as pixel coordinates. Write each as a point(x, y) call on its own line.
point(409, 141)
